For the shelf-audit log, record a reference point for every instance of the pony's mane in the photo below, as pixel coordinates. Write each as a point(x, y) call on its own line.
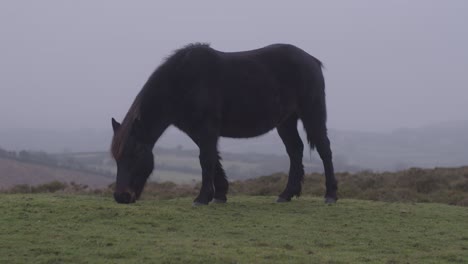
point(174, 57)
point(122, 134)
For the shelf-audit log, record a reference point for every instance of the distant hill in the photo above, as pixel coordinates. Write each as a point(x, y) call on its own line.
point(176, 165)
point(438, 145)
point(13, 172)
point(430, 146)
point(183, 166)
point(50, 140)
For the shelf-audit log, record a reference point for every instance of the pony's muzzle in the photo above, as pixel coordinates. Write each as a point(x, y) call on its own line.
point(124, 197)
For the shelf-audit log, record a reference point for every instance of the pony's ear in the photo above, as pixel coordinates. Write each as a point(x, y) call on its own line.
point(115, 125)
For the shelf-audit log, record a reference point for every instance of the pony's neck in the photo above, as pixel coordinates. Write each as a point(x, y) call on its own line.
point(156, 130)
point(152, 110)
point(155, 123)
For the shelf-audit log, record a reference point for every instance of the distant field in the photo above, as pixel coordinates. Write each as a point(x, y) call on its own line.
point(49, 228)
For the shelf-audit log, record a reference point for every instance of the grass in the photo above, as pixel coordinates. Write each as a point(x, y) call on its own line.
point(174, 176)
point(65, 228)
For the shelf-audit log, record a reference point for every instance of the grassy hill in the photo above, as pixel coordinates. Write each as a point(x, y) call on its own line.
point(48, 228)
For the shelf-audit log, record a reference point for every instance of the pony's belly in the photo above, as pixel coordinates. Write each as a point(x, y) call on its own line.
point(249, 124)
point(244, 131)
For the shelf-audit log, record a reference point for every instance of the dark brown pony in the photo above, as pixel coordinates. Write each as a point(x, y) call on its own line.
point(210, 94)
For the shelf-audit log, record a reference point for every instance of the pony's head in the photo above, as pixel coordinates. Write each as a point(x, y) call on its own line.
point(134, 157)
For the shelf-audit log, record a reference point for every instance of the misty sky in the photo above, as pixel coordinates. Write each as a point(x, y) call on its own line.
point(389, 64)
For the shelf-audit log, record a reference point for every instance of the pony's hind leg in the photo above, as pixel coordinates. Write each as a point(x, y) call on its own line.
point(294, 147)
point(316, 130)
point(324, 150)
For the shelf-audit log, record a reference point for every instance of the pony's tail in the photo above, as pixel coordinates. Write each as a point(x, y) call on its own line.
point(314, 110)
point(315, 123)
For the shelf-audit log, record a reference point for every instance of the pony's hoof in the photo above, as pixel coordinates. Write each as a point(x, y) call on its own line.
point(282, 200)
point(219, 201)
point(330, 200)
point(197, 204)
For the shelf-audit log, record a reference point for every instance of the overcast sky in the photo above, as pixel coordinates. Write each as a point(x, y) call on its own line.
point(389, 64)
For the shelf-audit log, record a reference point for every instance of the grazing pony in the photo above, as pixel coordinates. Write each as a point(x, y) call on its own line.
point(210, 94)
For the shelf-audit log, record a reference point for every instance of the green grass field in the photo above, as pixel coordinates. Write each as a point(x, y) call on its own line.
point(62, 228)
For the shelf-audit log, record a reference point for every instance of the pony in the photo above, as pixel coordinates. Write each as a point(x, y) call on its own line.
point(208, 94)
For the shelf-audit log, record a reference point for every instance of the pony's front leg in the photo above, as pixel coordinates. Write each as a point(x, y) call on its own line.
point(208, 160)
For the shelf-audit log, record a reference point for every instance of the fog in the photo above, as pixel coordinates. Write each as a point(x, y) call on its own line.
point(389, 64)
